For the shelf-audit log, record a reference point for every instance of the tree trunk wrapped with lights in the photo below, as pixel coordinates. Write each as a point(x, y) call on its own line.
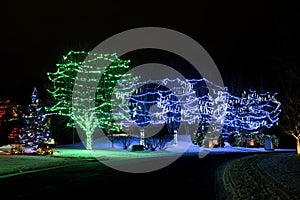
point(73, 96)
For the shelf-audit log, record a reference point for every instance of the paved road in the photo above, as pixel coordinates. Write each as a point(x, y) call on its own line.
point(187, 177)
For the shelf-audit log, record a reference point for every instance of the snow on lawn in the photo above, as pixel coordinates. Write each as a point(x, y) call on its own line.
point(258, 176)
point(103, 148)
point(103, 151)
point(184, 145)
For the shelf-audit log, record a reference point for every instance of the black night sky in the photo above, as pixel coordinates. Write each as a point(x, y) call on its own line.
point(240, 36)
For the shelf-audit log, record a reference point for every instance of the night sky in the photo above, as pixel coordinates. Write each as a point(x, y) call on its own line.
point(240, 36)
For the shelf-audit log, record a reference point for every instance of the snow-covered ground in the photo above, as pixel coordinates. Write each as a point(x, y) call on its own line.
point(263, 176)
point(103, 150)
point(102, 147)
point(183, 145)
point(256, 176)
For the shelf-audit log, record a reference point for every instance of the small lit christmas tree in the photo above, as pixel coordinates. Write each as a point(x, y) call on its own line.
point(36, 127)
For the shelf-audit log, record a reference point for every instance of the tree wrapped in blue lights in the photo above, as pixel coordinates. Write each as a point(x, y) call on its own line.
point(138, 108)
point(219, 112)
point(189, 102)
point(252, 112)
point(36, 129)
point(167, 102)
point(250, 115)
point(212, 110)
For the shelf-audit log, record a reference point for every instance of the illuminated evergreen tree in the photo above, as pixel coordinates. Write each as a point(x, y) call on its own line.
point(36, 128)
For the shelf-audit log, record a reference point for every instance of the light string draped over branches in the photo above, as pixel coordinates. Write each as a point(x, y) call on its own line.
point(65, 79)
point(168, 102)
point(252, 112)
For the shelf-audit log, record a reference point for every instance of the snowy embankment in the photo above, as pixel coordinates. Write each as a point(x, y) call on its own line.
point(262, 176)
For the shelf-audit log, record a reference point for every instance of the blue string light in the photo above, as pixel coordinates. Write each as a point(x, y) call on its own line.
point(189, 102)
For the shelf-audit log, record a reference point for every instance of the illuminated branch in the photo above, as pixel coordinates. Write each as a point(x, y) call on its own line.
point(252, 112)
point(175, 101)
point(78, 109)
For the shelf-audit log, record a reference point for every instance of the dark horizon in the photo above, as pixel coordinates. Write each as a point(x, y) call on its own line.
point(240, 37)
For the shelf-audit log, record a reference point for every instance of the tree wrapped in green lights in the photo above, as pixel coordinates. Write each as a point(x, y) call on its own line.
point(61, 83)
point(114, 83)
point(65, 79)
